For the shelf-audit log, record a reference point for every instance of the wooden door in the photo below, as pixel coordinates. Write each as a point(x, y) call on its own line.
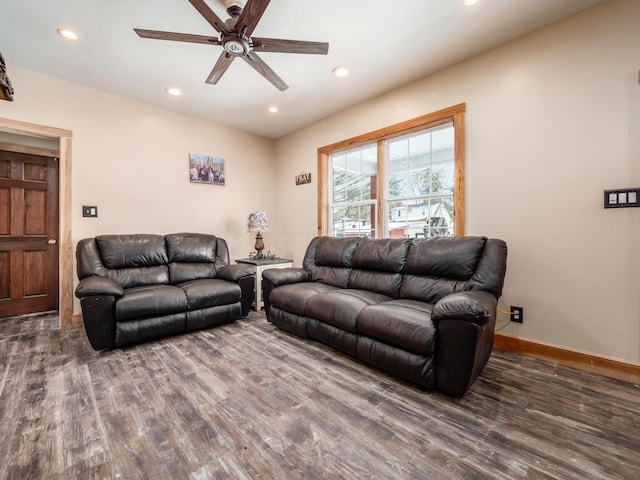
point(28, 233)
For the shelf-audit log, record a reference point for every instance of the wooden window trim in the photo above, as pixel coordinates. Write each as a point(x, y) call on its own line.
point(453, 114)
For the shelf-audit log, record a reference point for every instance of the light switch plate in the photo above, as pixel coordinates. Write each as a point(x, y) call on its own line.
point(622, 198)
point(89, 211)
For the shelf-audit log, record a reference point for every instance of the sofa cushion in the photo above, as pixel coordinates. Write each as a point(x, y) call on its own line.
point(451, 257)
point(378, 264)
point(341, 307)
point(191, 247)
point(381, 255)
point(194, 255)
point(183, 272)
point(437, 267)
point(329, 260)
point(133, 260)
point(140, 277)
point(150, 301)
point(207, 293)
point(131, 251)
point(402, 323)
point(293, 297)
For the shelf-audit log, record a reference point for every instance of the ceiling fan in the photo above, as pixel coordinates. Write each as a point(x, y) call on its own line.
point(236, 40)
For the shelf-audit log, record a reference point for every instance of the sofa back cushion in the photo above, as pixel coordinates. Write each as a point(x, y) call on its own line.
point(378, 265)
point(329, 259)
point(440, 266)
point(192, 256)
point(132, 260)
point(424, 269)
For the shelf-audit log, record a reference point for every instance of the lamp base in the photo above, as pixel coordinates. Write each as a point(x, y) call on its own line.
point(259, 246)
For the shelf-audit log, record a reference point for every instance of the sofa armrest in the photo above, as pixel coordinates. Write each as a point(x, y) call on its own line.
point(283, 276)
point(95, 285)
point(233, 273)
point(245, 277)
point(464, 324)
point(274, 277)
point(473, 306)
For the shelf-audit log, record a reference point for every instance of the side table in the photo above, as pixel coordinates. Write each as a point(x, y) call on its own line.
point(262, 265)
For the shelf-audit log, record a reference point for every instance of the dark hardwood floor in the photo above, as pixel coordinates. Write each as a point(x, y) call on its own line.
point(248, 401)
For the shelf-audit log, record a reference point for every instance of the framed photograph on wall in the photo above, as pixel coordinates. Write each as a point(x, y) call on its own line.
point(206, 169)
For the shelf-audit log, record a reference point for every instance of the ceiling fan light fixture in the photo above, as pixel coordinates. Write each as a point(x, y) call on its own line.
point(273, 109)
point(340, 72)
point(173, 91)
point(67, 33)
point(235, 45)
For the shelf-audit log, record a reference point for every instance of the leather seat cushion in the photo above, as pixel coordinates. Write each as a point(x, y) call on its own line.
point(293, 297)
point(341, 307)
point(150, 301)
point(211, 292)
point(402, 323)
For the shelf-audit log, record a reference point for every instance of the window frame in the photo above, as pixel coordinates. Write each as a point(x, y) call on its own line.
point(454, 114)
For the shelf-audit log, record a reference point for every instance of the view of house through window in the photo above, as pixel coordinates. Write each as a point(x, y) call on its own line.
point(354, 177)
point(406, 183)
point(420, 184)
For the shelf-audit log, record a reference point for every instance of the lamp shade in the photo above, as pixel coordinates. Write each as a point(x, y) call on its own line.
point(257, 222)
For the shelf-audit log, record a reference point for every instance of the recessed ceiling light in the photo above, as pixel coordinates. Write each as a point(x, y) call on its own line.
point(340, 72)
point(468, 3)
point(173, 91)
point(68, 34)
point(273, 109)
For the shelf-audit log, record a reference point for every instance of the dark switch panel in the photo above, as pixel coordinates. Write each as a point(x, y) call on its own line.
point(623, 197)
point(89, 211)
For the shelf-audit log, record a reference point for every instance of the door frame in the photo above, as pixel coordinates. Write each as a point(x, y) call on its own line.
point(65, 256)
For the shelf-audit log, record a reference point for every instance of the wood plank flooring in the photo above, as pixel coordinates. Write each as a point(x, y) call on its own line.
point(248, 401)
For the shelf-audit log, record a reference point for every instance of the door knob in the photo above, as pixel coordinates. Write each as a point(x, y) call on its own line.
point(52, 241)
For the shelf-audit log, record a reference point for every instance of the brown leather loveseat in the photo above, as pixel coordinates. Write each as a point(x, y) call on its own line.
point(421, 309)
point(135, 288)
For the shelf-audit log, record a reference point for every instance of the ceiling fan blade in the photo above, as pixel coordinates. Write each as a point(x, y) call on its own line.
point(224, 60)
point(209, 15)
point(179, 37)
point(263, 69)
point(250, 16)
point(289, 46)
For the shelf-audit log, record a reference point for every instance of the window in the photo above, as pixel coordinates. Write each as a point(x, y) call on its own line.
point(403, 181)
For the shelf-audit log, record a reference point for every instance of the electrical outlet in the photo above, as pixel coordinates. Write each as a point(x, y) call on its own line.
point(516, 314)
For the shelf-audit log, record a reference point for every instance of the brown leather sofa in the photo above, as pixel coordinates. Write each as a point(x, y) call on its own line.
point(421, 309)
point(135, 288)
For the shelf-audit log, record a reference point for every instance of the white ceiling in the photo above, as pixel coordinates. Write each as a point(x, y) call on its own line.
point(385, 44)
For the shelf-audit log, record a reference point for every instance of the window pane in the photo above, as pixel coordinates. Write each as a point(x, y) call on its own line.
point(354, 175)
point(420, 188)
point(353, 192)
point(354, 221)
point(421, 164)
point(420, 218)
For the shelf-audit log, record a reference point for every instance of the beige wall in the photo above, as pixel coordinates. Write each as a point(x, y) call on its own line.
point(131, 160)
point(552, 120)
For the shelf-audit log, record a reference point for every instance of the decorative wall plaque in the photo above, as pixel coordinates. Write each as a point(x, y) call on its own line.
point(304, 177)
